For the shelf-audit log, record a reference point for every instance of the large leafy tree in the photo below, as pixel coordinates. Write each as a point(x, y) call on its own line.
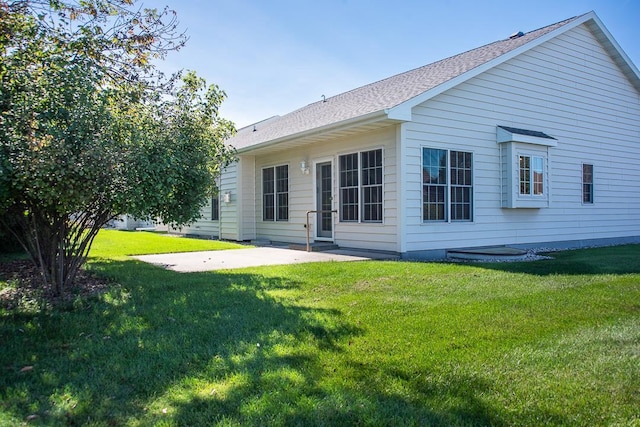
point(89, 129)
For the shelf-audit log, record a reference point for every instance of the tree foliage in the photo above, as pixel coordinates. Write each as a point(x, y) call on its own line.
point(89, 129)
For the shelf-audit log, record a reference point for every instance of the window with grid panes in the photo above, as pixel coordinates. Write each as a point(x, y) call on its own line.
point(531, 175)
point(587, 183)
point(447, 185)
point(215, 208)
point(371, 185)
point(460, 167)
point(349, 187)
point(361, 185)
point(275, 193)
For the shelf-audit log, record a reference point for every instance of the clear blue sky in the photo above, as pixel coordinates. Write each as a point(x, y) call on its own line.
point(274, 56)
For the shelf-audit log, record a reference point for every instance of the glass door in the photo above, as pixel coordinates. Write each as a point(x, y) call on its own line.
point(324, 201)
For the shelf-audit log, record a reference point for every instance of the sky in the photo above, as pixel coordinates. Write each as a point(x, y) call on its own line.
point(272, 57)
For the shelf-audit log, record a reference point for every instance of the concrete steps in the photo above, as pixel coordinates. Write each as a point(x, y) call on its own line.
point(315, 246)
point(502, 253)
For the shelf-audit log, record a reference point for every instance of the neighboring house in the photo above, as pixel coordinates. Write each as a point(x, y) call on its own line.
point(127, 222)
point(529, 141)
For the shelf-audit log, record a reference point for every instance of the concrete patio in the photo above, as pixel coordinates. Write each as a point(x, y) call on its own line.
point(187, 262)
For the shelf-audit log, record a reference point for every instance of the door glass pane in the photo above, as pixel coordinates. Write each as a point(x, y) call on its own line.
point(324, 201)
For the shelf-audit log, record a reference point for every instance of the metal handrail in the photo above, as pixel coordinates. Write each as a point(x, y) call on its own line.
point(307, 225)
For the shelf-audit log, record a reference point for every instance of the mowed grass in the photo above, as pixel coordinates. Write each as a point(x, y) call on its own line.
point(117, 243)
point(553, 342)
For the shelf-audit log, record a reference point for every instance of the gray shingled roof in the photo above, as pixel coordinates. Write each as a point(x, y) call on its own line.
point(526, 132)
point(381, 95)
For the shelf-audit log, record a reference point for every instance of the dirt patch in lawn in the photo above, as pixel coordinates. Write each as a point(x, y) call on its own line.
point(25, 287)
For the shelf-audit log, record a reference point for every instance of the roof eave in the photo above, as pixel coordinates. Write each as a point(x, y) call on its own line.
point(310, 134)
point(619, 56)
point(404, 109)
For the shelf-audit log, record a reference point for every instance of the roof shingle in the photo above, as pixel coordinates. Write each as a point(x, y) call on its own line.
point(383, 94)
point(526, 132)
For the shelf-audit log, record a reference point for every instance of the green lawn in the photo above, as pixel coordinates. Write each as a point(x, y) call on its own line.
point(116, 243)
point(553, 342)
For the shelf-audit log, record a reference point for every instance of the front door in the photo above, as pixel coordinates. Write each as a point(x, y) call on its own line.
point(324, 201)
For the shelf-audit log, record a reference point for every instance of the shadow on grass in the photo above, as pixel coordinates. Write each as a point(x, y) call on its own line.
point(259, 405)
point(206, 348)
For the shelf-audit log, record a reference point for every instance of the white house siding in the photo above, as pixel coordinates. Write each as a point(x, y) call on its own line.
point(302, 196)
point(241, 206)
point(228, 223)
point(233, 222)
point(127, 222)
point(203, 227)
point(568, 88)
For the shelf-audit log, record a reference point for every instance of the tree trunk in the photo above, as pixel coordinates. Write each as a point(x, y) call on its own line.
point(57, 244)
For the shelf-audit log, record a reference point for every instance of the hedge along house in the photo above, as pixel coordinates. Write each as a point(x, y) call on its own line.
point(529, 141)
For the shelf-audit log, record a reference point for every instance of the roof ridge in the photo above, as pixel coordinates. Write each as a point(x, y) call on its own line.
point(563, 22)
point(390, 92)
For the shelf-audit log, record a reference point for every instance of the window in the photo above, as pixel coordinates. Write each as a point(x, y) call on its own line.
point(525, 158)
point(372, 186)
point(434, 184)
point(461, 187)
point(361, 186)
point(275, 193)
point(531, 175)
point(447, 187)
point(349, 187)
point(525, 175)
point(587, 183)
point(215, 208)
point(268, 194)
point(282, 193)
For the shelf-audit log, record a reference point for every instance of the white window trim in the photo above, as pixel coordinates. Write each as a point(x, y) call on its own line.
point(593, 184)
point(515, 142)
point(545, 176)
point(360, 192)
point(510, 165)
point(217, 198)
point(448, 219)
point(275, 193)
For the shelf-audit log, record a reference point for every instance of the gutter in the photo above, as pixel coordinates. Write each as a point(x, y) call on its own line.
point(373, 117)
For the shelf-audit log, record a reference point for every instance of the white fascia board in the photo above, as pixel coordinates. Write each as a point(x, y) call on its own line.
point(400, 109)
point(619, 55)
point(376, 116)
point(400, 114)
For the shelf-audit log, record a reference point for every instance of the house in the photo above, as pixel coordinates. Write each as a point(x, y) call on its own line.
point(128, 222)
point(531, 141)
